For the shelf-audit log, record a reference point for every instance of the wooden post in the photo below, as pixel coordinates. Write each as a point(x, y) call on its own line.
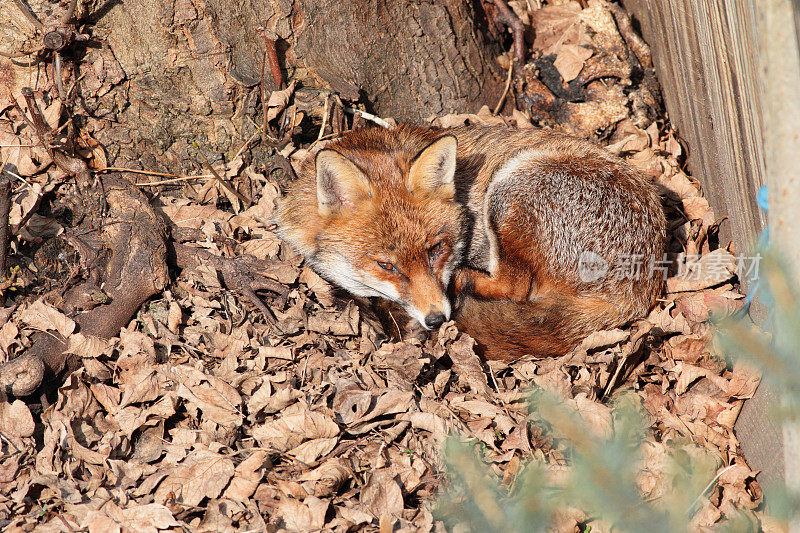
point(730, 72)
point(704, 54)
point(779, 55)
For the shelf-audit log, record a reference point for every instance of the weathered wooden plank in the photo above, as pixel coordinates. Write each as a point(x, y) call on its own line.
point(704, 54)
point(779, 58)
point(730, 72)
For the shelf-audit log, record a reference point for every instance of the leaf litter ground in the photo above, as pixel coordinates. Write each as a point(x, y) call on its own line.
point(204, 415)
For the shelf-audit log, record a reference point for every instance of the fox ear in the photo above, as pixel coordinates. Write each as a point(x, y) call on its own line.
point(340, 183)
point(434, 168)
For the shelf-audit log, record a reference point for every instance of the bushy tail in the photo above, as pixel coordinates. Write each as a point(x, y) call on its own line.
point(549, 326)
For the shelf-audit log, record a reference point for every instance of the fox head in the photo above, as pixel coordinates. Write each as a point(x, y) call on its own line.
point(384, 222)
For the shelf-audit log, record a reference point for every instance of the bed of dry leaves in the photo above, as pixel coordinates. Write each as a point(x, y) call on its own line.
point(202, 415)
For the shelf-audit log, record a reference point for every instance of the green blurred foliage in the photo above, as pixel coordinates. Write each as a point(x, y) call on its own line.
point(601, 481)
point(602, 477)
point(776, 355)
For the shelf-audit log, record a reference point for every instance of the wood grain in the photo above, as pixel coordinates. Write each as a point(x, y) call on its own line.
point(704, 54)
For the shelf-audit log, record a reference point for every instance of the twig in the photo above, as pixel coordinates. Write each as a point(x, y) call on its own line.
point(274, 66)
point(71, 11)
point(613, 380)
point(368, 116)
point(59, 80)
point(33, 209)
point(29, 14)
point(244, 145)
point(263, 88)
point(70, 165)
point(225, 183)
point(151, 173)
point(171, 181)
point(634, 42)
point(5, 208)
point(710, 484)
point(325, 112)
point(174, 178)
point(510, 19)
point(505, 91)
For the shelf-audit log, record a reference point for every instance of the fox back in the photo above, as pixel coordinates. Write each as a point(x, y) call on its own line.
point(528, 227)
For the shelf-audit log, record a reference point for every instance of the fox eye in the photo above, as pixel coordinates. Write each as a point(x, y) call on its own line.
point(435, 250)
point(386, 266)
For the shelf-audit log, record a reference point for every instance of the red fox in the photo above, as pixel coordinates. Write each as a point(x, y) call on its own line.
point(529, 239)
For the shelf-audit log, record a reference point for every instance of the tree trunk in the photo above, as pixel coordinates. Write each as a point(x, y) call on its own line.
point(193, 69)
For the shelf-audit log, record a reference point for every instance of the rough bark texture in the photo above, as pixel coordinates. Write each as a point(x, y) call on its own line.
point(188, 63)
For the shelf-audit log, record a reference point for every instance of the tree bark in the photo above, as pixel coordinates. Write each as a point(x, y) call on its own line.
point(193, 68)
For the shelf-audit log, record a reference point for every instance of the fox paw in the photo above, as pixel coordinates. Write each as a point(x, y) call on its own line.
point(462, 282)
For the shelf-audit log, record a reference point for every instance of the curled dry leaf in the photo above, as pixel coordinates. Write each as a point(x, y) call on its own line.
point(203, 474)
point(328, 477)
point(704, 272)
point(247, 476)
point(467, 365)
point(278, 100)
point(45, 317)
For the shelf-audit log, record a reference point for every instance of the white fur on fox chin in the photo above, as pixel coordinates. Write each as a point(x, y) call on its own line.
point(338, 270)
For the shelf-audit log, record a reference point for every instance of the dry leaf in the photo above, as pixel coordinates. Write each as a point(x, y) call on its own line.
point(570, 60)
point(278, 100)
point(203, 474)
point(45, 317)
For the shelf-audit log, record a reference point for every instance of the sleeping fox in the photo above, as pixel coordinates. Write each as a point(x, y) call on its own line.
point(529, 239)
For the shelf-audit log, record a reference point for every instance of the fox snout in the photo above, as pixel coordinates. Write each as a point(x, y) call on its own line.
point(429, 303)
point(434, 320)
point(434, 317)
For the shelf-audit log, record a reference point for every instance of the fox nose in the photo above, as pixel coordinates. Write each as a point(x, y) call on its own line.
point(434, 320)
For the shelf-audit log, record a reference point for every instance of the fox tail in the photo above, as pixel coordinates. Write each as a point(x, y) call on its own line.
point(548, 326)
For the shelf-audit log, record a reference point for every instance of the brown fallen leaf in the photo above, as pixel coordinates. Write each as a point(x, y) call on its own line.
point(328, 477)
point(203, 474)
point(278, 100)
point(382, 495)
point(247, 476)
point(44, 317)
point(570, 60)
point(16, 420)
point(467, 365)
point(147, 518)
point(700, 273)
point(294, 427)
point(308, 515)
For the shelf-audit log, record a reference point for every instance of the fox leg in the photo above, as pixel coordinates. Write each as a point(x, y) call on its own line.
point(506, 283)
point(515, 263)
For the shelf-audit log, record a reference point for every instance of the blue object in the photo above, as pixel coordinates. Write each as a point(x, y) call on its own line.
point(762, 198)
